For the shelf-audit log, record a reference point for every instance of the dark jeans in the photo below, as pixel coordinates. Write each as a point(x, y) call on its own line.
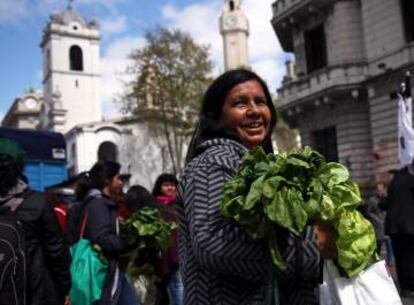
point(127, 294)
point(403, 246)
point(388, 248)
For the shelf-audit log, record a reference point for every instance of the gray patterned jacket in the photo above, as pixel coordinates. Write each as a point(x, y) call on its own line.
point(220, 264)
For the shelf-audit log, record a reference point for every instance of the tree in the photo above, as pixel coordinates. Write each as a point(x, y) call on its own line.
point(170, 75)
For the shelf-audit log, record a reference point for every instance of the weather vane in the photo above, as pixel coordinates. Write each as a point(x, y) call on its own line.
point(70, 3)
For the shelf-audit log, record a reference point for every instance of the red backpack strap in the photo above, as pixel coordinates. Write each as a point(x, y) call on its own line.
point(83, 226)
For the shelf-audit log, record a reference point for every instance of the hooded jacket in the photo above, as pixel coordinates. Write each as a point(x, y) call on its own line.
point(47, 255)
point(101, 229)
point(219, 263)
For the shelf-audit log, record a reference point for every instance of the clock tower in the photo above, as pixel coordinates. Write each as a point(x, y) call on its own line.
point(234, 27)
point(71, 71)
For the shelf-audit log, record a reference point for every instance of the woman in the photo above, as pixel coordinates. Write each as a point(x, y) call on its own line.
point(165, 189)
point(219, 263)
point(99, 209)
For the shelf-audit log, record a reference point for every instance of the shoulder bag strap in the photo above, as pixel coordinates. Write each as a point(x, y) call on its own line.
point(82, 232)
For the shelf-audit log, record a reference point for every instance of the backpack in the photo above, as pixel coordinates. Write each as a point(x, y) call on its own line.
point(12, 254)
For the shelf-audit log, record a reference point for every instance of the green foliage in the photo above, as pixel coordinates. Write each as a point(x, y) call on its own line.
point(292, 190)
point(170, 74)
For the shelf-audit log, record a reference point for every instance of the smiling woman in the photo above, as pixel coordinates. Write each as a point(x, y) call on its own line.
point(219, 263)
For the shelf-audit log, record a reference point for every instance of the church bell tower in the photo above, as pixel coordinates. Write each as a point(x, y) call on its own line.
point(234, 27)
point(71, 71)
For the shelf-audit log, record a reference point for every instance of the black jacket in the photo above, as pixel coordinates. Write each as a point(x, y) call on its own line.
point(101, 230)
point(400, 204)
point(47, 255)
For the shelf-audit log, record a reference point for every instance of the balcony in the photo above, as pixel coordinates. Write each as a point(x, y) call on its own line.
point(287, 13)
point(287, 8)
point(311, 87)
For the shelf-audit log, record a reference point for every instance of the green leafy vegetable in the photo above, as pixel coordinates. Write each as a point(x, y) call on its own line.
point(292, 190)
point(148, 230)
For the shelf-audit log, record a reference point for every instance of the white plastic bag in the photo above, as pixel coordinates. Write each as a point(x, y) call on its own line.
point(146, 289)
point(374, 286)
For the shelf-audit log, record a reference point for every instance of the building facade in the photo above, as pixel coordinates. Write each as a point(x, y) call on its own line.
point(25, 112)
point(351, 56)
point(234, 28)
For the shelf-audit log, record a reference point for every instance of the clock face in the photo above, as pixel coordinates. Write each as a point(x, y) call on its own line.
point(30, 103)
point(230, 21)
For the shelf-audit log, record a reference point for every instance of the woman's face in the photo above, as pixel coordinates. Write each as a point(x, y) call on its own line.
point(168, 188)
point(246, 111)
point(115, 186)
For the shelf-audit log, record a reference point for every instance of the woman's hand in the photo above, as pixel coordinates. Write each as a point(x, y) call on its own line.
point(326, 236)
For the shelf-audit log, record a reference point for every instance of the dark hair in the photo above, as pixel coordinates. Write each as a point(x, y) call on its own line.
point(156, 191)
point(10, 172)
point(98, 177)
point(138, 197)
point(212, 107)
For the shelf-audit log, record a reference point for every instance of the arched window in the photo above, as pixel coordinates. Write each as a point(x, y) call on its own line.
point(231, 6)
point(107, 151)
point(76, 58)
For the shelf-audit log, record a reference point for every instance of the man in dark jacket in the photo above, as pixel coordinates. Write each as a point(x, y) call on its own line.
point(47, 261)
point(399, 225)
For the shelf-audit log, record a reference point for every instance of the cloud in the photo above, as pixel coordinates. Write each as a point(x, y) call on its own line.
point(12, 11)
point(200, 20)
point(113, 26)
point(113, 64)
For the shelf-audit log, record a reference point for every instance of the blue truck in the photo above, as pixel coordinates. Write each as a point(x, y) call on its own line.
point(45, 155)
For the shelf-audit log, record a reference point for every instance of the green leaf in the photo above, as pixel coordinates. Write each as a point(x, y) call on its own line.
point(272, 185)
point(333, 173)
point(255, 193)
point(356, 242)
point(297, 162)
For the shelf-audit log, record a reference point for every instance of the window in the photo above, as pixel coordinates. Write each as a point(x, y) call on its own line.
point(231, 6)
point(76, 58)
point(107, 151)
point(407, 8)
point(324, 141)
point(48, 59)
point(315, 47)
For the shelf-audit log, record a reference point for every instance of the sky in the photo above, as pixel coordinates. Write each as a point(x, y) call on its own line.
point(122, 26)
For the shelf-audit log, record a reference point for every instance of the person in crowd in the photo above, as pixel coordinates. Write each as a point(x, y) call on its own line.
point(95, 192)
point(165, 189)
point(40, 274)
point(399, 225)
point(149, 260)
point(376, 215)
point(219, 263)
point(138, 197)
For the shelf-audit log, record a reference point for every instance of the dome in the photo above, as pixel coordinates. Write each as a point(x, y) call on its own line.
point(68, 16)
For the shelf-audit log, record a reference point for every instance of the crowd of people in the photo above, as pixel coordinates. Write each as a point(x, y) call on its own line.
point(211, 259)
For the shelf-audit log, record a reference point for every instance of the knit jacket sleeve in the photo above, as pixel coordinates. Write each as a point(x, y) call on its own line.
point(219, 244)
